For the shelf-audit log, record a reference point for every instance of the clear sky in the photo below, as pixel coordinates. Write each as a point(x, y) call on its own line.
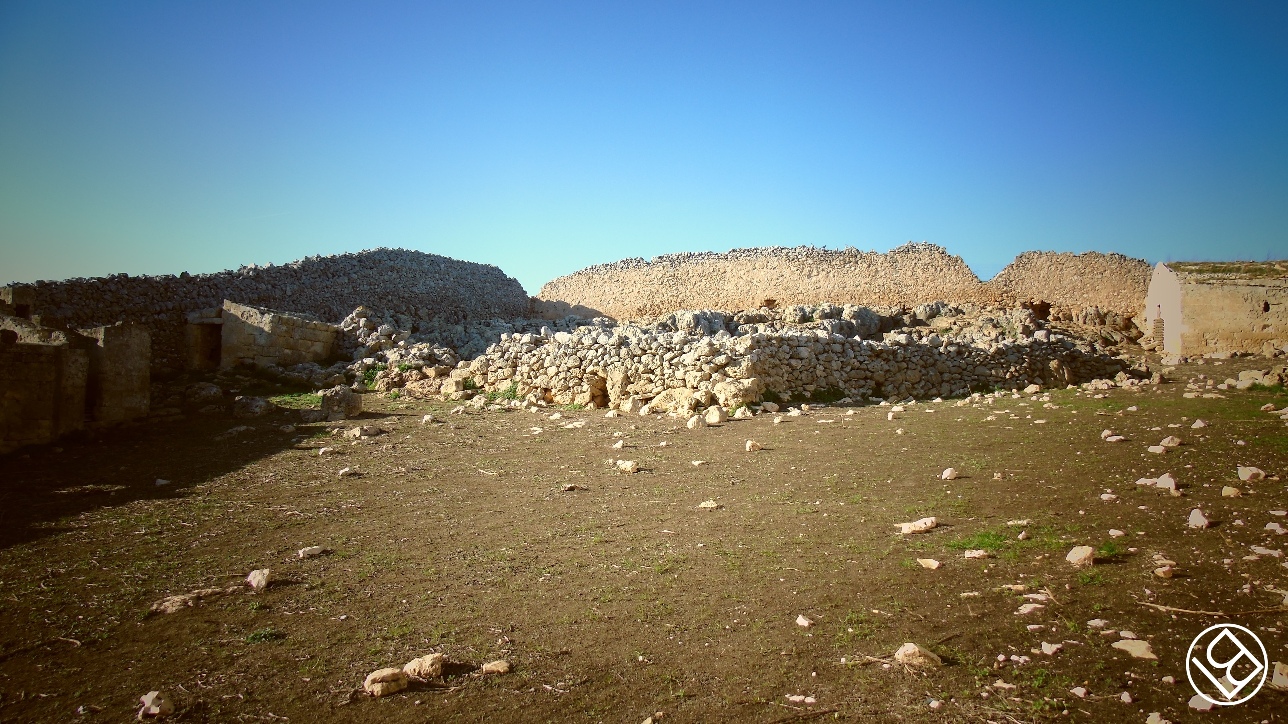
point(159, 137)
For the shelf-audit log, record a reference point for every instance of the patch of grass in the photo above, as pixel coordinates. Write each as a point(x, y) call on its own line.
point(265, 635)
point(404, 367)
point(471, 384)
point(1092, 577)
point(989, 540)
point(394, 394)
point(369, 376)
point(297, 400)
point(509, 393)
point(856, 626)
point(1110, 549)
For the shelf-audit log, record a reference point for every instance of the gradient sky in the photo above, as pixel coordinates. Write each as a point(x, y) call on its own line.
point(159, 137)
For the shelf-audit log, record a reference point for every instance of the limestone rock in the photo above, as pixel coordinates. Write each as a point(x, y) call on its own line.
point(676, 399)
point(735, 393)
point(804, 621)
point(499, 666)
point(753, 446)
point(1156, 449)
point(627, 466)
point(425, 668)
point(1199, 424)
point(1279, 680)
point(696, 422)
point(715, 415)
point(1198, 519)
point(1201, 703)
point(383, 682)
point(1082, 556)
point(340, 402)
point(930, 563)
point(259, 579)
point(918, 526)
point(311, 552)
point(913, 656)
point(1171, 441)
point(1228, 491)
point(1250, 474)
point(949, 474)
point(709, 505)
point(155, 704)
point(742, 413)
point(1137, 648)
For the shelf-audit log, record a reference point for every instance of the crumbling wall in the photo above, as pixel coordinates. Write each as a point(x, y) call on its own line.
point(1110, 282)
point(120, 361)
point(1223, 315)
point(909, 275)
point(264, 337)
point(745, 278)
point(42, 392)
point(423, 286)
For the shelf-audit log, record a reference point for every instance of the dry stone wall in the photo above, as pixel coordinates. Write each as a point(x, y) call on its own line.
point(912, 274)
point(422, 286)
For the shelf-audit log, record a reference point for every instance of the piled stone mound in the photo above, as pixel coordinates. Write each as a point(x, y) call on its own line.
point(422, 286)
point(694, 358)
point(1108, 282)
point(636, 289)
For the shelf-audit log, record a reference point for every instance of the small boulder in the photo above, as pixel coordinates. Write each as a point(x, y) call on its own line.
point(311, 551)
point(917, 526)
point(1082, 556)
point(804, 621)
point(259, 579)
point(627, 466)
point(948, 474)
point(716, 415)
point(383, 682)
point(753, 446)
point(425, 668)
point(1250, 474)
point(1137, 648)
point(245, 407)
point(1229, 491)
point(340, 402)
point(1171, 441)
point(696, 422)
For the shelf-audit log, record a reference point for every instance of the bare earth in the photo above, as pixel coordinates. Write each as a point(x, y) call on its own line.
point(625, 599)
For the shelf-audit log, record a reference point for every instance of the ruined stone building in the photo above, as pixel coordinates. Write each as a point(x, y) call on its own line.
point(1198, 308)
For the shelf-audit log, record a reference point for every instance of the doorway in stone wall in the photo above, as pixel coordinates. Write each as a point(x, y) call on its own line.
point(205, 346)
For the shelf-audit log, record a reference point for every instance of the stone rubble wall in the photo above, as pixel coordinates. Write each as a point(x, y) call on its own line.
point(912, 274)
point(422, 286)
point(701, 357)
point(594, 366)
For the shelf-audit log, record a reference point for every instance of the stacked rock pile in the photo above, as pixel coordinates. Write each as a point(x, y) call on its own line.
point(639, 289)
point(416, 285)
point(694, 358)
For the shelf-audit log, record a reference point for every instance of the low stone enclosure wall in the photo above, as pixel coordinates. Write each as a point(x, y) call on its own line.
point(636, 289)
point(414, 284)
point(692, 359)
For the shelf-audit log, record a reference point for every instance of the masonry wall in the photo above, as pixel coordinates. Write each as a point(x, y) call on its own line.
point(1233, 316)
point(262, 337)
point(906, 276)
point(119, 373)
point(42, 393)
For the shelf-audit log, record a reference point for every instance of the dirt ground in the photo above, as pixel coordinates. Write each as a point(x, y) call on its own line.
point(622, 599)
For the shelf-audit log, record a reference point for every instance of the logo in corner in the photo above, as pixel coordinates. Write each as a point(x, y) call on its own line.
point(1224, 661)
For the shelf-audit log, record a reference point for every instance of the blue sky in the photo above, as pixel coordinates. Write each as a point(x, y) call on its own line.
point(159, 137)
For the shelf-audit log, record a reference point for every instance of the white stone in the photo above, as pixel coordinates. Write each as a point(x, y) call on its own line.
point(1199, 424)
point(1201, 703)
point(1136, 648)
point(709, 505)
point(948, 474)
point(696, 422)
point(1228, 491)
point(1051, 649)
point(1171, 441)
point(804, 621)
point(1250, 474)
point(627, 466)
point(753, 446)
point(1079, 691)
point(259, 578)
point(1198, 519)
point(1156, 449)
point(1028, 608)
point(715, 415)
point(1082, 556)
point(1279, 680)
point(975, 554)
point(918, 526)
point(155, 704)
point(913, 656)
point(930, 563)
point(311, 551)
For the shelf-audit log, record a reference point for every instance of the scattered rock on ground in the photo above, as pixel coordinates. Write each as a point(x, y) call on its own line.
point(1082, 556)
point(425, 668)
point(914, 656)
point(155, 704)
point(383, 682)
point(259, 579)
